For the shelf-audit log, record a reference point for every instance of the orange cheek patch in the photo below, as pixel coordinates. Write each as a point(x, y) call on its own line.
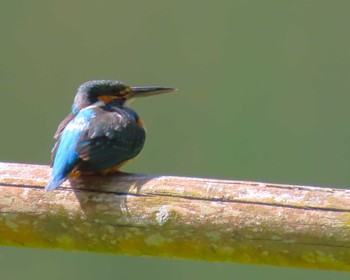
point(106, 98)
point(125, 91)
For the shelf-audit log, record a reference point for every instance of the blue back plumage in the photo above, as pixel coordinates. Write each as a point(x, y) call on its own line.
point(66, 157)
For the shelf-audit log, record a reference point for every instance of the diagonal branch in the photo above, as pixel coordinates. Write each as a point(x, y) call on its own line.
point(203, 219)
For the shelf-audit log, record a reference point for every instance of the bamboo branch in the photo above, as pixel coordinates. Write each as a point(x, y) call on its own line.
point(203, 219)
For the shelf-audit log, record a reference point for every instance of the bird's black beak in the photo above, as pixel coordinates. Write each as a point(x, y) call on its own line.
point(148, 91)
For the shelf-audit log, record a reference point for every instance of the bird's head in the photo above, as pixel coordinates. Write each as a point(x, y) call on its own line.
point(110, 90)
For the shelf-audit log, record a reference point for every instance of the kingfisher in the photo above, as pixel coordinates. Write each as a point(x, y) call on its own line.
point(101, 133)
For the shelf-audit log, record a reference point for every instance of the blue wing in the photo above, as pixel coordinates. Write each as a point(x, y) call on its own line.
point(113, 137)
point(96, 139)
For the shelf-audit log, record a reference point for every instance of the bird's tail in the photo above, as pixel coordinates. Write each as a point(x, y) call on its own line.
point(53, 184)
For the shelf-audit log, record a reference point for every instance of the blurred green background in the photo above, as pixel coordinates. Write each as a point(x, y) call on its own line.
point(264, 94)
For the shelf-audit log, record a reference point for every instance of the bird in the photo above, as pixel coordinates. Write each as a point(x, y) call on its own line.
point(101, 133)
